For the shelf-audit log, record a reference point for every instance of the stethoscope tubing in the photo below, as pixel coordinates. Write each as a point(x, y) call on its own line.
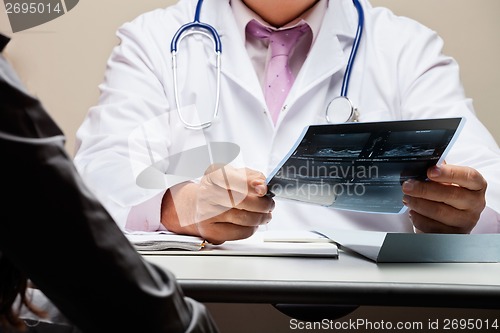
point(354, 50)
point(196, 26)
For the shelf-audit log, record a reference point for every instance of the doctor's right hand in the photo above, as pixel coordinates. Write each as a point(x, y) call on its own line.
point(227, 204)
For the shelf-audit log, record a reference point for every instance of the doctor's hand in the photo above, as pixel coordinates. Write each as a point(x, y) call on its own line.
point(451, 201)
point(227, 204)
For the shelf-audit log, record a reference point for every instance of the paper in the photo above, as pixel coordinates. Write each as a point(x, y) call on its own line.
point(365, 243)
point(268, 244)
point(163, 240)
point(293, 236)
point(385, 247)
point(361, 166)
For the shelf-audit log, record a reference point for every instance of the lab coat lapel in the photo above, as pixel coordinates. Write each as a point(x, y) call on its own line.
point(235, 62)
point(330, 51)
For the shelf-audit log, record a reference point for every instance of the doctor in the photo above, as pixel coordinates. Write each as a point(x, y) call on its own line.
point(154, 146)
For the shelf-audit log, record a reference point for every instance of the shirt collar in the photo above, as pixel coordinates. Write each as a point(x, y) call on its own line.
point(313, 17)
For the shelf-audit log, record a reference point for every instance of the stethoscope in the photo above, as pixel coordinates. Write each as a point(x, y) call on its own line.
point(339, 110)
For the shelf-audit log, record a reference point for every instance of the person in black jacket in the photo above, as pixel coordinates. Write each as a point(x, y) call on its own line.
point(56, 236)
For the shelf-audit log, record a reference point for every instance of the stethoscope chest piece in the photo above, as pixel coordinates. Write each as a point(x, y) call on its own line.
point(340, 110)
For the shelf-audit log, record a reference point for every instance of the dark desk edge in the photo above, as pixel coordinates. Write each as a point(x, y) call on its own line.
point(343, 293)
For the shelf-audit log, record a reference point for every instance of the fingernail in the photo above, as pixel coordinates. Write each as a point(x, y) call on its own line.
point(408, 185)
point(259, 186)
point(261, 189)
point(435, 172)
point(406, 200)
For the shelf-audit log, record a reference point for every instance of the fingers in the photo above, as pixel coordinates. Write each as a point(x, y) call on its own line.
point(462, 188)
point(431, 216)
point(244, 181)
point(211, 204)
point(230, 187)
point(219, 196)
point(187, 209)
point(462, 176)
point(428, 225)
point(232, 225)
point(219, 233)
point(226, 187)
point(231, 203)
point(451, 201)
point(455, 196)
point(257, 204)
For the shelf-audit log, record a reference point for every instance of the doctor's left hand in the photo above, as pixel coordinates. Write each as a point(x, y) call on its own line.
point(450, 202)
point(227, 204)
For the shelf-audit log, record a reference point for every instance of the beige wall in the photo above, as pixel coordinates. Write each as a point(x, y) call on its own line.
point(62, 62)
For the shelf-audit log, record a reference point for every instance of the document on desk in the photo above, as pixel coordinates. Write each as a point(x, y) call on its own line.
point(361, 166)
point(268, 244)
point(385, 247)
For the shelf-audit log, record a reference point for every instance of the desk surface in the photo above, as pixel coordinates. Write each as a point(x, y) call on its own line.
point(349, 280)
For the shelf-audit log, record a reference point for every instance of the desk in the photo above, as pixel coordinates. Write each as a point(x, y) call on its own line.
point(349, 280)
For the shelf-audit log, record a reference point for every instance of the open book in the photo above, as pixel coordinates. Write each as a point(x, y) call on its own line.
point(361, 166)
point(164, 240)
point(282, 243)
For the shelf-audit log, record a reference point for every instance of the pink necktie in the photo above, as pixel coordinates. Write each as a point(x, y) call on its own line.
point(279, 77)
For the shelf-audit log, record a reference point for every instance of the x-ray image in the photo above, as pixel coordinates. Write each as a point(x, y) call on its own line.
point(361, 166)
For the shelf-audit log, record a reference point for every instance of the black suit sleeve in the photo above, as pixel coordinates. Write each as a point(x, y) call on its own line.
point(54, 229)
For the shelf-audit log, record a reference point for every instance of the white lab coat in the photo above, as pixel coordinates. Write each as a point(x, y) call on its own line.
point(399, 73)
